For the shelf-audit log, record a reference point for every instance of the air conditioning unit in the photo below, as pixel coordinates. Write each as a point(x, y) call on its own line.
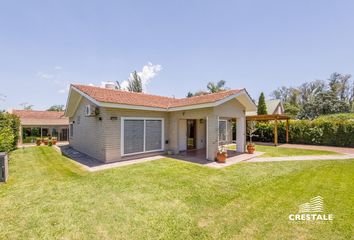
point(90, 111)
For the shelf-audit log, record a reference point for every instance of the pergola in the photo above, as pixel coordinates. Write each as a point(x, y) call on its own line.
point(275, 118)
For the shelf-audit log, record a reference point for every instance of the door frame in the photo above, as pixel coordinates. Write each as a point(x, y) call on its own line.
point(194, 121)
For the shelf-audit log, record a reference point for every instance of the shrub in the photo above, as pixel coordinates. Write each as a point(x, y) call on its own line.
point(9, 131)
point(321, 131)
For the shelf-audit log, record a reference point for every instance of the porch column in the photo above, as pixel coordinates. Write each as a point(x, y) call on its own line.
point(173, 135)
point(287, 131)
point(20, 139)
point(211, 137)
point(241, 134)
point(276, 132)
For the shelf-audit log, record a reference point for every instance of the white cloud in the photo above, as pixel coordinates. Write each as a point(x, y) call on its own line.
point(45, 75)
point(148, 72)
point(124, 84)
point(64, 90)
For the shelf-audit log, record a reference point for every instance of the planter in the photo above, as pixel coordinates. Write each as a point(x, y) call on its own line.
point(221, 157)
point(45, 142)
point(251, 148)
point(54, 142)
point(38, 142)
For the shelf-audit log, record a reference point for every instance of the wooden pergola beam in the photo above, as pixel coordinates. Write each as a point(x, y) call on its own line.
point(275, 118)
point(267, 117)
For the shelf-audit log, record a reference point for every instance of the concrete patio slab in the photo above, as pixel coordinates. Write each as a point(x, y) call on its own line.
point(93, 165)
point(236, 159)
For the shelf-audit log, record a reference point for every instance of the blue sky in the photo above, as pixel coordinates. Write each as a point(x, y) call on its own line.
point(258, 45)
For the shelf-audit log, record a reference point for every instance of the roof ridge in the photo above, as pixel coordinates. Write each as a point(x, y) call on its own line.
point(124, 91)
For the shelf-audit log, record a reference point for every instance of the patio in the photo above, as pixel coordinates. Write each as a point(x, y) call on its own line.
point(199, 156)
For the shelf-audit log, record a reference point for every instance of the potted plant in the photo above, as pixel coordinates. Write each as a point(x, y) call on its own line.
point(251, 129)
point(222, 154)
point(45, 141)
point(38, 141)
point(54, 140)
point(50, 143)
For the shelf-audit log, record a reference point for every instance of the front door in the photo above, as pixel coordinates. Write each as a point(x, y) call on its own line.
point(191, 134)
point(64, 135)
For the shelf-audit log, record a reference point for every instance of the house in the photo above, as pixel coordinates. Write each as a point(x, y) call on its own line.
point(40, 124)
point(113, 125)
point(274, 106)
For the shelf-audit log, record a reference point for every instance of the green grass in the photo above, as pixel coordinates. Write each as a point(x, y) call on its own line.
point(50, 197)
point(272, 151)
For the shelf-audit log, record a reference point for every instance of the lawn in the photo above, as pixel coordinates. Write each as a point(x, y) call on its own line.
point(272, 151)
point(50, 197)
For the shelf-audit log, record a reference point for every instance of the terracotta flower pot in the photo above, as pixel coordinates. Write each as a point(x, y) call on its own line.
point(250, 148)
point(54, 142)
point(45, 142)
point(38, 142)
point(221, 157)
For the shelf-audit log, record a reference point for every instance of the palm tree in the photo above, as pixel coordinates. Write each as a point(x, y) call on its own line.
point(216, 87)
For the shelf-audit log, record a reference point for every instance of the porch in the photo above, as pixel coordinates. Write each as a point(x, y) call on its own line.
point(29, 133)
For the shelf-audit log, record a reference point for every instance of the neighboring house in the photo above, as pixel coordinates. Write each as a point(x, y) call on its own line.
point(274, 106)
point(114, 125)
point(40, 124)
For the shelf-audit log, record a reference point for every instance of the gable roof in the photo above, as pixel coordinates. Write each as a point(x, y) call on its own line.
point(143, 99)
point(272, 105)
point(33, 117)
point(105, 97)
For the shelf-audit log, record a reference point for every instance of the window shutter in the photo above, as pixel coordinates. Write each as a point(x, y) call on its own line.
point(153, 135)
point(133, 136)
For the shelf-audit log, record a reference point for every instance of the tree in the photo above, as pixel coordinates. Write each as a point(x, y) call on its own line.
point(135, 84)
point(262, 108)
point(291, 110)
point(26, 106)
point(190, 94)
point(323, 104)
point(9, 131)
point(216, 87)
point(56, 108)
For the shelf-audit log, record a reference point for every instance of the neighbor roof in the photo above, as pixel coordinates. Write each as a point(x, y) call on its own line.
point(44, 118)
point(142, 99)
point(272, 105)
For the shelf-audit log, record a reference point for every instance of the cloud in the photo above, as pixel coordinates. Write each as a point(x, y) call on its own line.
point(148, 72)
point(58, 67)
point(45, 75)
point(64, 90)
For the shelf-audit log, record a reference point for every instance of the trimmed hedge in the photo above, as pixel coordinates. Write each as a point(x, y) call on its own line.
point(9, 131)
point(331, 132)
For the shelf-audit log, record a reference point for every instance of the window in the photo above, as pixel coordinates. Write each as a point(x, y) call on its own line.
point(71, 130)
point(153, 135)
point(141, 135)
point(222, 131)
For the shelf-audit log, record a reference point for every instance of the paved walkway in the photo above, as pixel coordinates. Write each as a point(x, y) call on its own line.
point(245, 157)
point(344, 150)
point(93, 165)
point(303, 158)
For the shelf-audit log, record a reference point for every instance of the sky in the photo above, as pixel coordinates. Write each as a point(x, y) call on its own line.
point(178, 46)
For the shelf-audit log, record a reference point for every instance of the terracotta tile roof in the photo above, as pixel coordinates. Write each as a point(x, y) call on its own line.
point(148, 100)
point(32, 117)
